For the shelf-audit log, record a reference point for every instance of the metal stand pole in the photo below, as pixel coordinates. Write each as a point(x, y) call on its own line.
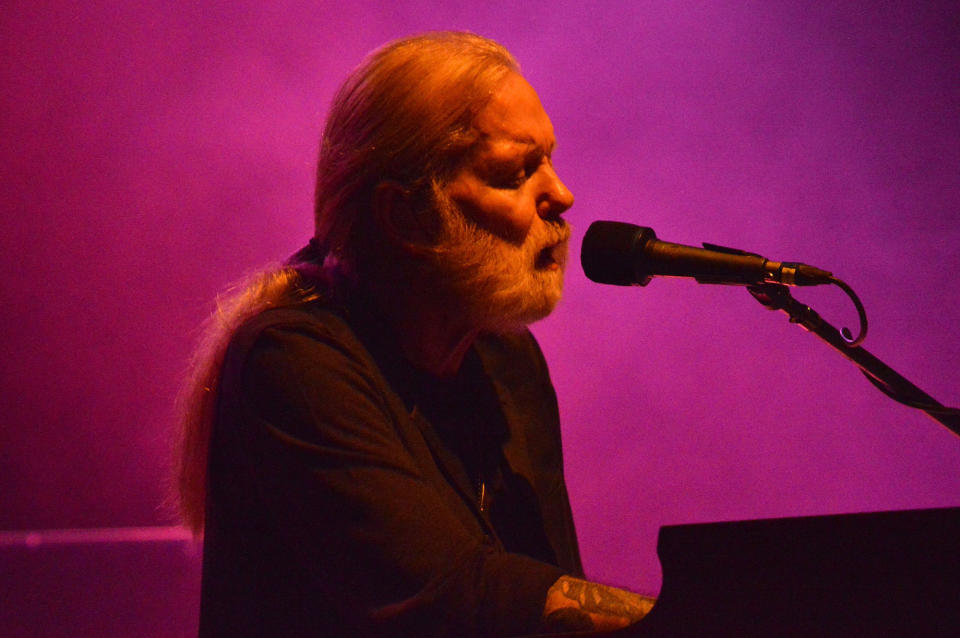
point(887, 380)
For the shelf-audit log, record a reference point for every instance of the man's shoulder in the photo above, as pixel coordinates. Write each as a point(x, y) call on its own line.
point(309, 325)
point(312, 316)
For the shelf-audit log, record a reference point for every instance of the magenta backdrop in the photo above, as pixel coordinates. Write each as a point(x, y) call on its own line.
point(151, 154)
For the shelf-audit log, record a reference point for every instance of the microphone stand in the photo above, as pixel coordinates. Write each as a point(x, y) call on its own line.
point(887, 380)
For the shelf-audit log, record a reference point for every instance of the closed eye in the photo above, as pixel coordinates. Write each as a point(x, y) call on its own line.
point(518, 177)
point(510, 175)
point(513, 173)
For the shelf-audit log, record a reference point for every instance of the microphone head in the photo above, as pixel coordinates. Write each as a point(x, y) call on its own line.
point(610, 251)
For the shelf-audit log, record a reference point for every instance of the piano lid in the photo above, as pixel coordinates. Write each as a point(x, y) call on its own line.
point(873, 574)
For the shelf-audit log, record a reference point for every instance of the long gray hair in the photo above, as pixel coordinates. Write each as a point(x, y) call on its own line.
point(405, 114)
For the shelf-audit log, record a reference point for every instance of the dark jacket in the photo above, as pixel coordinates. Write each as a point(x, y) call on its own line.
point(336, 508)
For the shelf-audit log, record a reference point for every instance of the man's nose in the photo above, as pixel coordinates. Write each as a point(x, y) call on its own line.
point(555, 198)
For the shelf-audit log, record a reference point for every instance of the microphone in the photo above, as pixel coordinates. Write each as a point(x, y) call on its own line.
point(628, 255)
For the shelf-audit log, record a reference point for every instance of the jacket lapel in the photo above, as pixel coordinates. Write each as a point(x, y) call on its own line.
point(498, 372)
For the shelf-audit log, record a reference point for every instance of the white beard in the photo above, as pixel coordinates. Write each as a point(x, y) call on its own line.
point(499, 286)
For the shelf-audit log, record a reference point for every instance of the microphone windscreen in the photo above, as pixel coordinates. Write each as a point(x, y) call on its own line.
point(610, 250)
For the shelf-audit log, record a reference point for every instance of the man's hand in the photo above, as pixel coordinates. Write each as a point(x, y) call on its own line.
point(578, 605)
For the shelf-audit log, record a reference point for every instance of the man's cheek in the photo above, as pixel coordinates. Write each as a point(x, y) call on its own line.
point(503, 216)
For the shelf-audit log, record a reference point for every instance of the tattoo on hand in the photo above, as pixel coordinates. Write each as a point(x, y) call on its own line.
point(576, 605)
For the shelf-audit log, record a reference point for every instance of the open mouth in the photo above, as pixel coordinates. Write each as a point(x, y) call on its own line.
point(552, 257)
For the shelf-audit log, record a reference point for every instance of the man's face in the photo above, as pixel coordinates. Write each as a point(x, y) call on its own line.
point(505, 245)
point(508, 182)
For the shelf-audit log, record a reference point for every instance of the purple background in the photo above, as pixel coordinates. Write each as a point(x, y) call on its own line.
point(152, 154)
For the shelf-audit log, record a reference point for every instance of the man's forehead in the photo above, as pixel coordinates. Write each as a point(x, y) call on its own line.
point(514, 118)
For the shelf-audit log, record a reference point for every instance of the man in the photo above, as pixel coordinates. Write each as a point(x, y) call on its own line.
point(371, 443)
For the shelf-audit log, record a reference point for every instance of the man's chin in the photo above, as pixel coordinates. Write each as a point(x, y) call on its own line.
point(530, 310)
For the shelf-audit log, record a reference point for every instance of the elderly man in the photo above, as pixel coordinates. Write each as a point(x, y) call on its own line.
point(370, 443)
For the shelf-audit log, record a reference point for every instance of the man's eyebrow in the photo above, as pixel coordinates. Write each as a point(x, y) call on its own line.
point(529, 141)
point(526, 140)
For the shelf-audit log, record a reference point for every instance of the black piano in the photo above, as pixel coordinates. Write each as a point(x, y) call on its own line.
point(850, 575)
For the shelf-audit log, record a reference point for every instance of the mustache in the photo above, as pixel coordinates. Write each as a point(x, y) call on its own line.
point(556, 231)
point(548, 245)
